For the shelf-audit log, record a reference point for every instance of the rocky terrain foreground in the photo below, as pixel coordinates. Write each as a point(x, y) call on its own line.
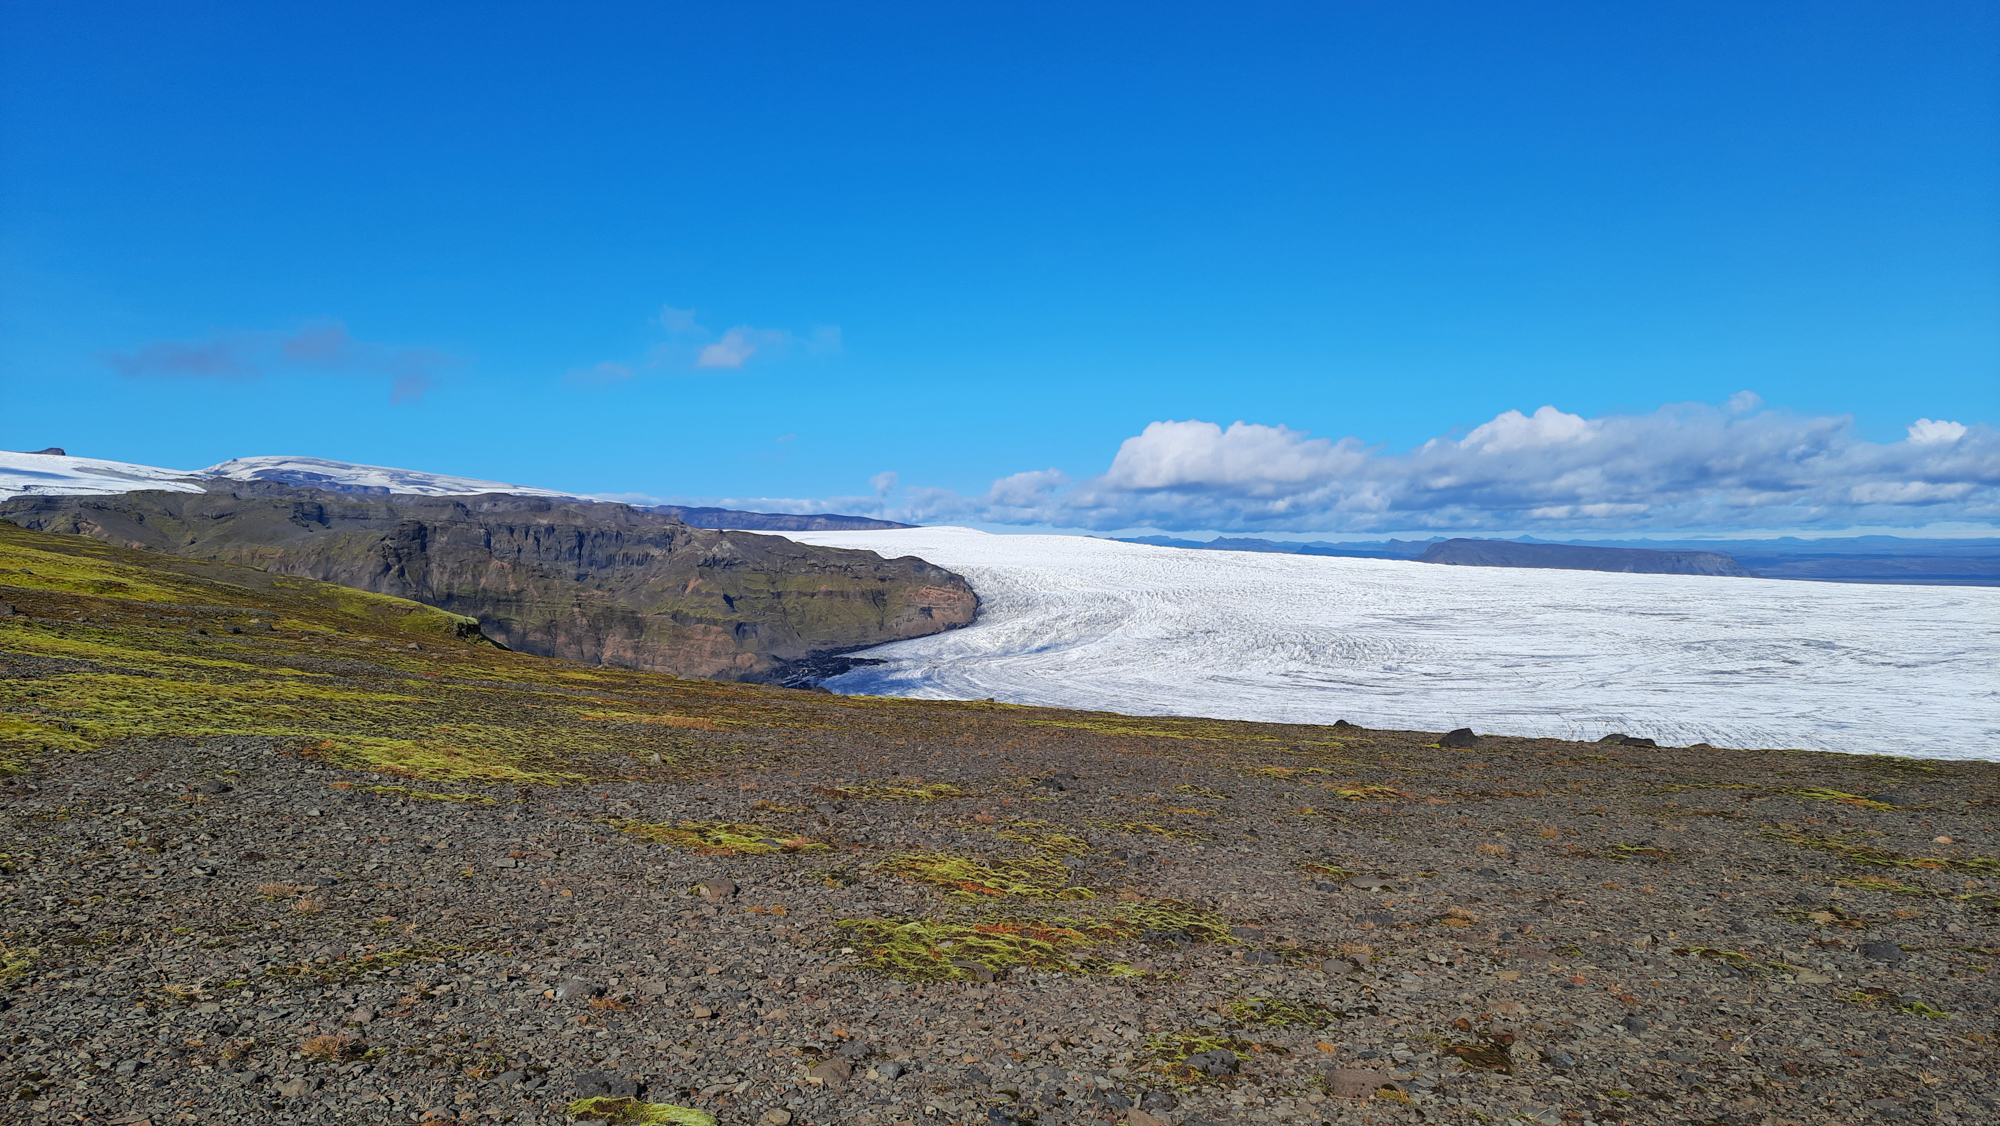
point(280, 852)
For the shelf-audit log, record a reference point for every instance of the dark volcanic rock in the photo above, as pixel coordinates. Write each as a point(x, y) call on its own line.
point(1461, 738)
point(1504, 553)
point(606, 583)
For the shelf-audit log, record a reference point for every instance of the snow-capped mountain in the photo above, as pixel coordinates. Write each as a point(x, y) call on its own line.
point(1074, 622)
point(347, 477)
point(62, 475)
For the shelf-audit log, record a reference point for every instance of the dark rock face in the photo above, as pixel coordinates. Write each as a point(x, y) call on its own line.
point(606, 583)
point(1635, 560)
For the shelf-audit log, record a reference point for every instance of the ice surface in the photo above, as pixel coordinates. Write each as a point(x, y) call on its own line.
point(50, 475)
point(313, 472)
point(1088, 623)
point(85, 476)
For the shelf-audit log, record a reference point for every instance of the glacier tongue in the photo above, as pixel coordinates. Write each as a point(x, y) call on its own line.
point(1087, 623)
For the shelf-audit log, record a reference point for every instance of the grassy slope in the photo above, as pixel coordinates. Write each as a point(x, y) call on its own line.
point(104, 648)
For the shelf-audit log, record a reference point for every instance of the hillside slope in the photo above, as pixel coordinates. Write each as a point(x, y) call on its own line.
point(556, 577)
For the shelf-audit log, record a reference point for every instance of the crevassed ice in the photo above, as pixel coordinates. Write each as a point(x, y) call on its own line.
point(1088, 623)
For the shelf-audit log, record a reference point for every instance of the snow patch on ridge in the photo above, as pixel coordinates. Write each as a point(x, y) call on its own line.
point(54, 475)
point(1086, 623)
point(343, 476)
point(26, 474)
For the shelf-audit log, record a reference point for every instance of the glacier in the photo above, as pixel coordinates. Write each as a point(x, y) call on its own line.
point(30, 474)
point(320, 473)
point(59, 475)
point(1075, 622)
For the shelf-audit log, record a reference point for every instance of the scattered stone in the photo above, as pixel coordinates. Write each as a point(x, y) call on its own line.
point(1635, 1023)
point(577, 989)
point(1637, 741)
point(1221, 1061)
point(776, 1116)
point(1360, 1083)
point(1460, 738)
point(834, 1071)
point(362, 1015)
point(890, 1070)
point(292, 1087)
point(717, 889)
point(604, 1085)
point(214, 786)
point(1141, 1118)
point(1883, 952)
point(1158, 1100)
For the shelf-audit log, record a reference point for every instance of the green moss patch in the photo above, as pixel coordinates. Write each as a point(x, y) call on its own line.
point(1031, 877)
point(1858, 851)
point(718, 838)
point(949, 949)
point(631, 1110)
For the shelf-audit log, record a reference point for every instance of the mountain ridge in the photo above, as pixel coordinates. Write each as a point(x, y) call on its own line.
point(592, 581)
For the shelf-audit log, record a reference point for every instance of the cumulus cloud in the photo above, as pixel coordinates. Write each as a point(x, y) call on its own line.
point(690, 346)
point(325, 347)
point(732, 351)
point(1927, 431)
point(884, 483)
point(1684, 467)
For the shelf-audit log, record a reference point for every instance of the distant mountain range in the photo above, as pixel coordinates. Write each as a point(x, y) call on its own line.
point(1851, 559)
point(1632, 560)
point(1862, 559)
point(52, 472)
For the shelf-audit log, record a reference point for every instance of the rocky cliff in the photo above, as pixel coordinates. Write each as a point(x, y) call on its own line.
point(1505, 553)
point(605, 583)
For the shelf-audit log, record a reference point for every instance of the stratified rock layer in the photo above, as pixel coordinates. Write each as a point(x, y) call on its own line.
point(605, 583)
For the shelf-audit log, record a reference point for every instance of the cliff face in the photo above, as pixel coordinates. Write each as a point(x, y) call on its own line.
point(1638, 560)
point(592, 582)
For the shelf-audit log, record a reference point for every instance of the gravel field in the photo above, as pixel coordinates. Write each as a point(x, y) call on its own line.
point(227, 931)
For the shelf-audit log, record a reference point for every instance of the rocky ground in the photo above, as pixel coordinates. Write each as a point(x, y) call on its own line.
point(1350, 927)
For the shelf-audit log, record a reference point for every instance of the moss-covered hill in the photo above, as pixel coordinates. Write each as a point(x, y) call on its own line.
point(103, 644)
point(605, 583)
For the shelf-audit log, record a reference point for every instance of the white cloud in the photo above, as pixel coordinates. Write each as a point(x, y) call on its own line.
point(884, 483)
point(732, 351)
point(687, 346)
point(1926, 431)
point(1247, 456)
point(1512, 430)
point(1743, 402)
point(1683, 467)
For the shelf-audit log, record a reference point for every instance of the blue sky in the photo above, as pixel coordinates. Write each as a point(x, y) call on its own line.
point(769, 252)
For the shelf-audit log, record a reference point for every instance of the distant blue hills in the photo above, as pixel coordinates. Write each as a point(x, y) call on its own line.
point(1855, 559)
